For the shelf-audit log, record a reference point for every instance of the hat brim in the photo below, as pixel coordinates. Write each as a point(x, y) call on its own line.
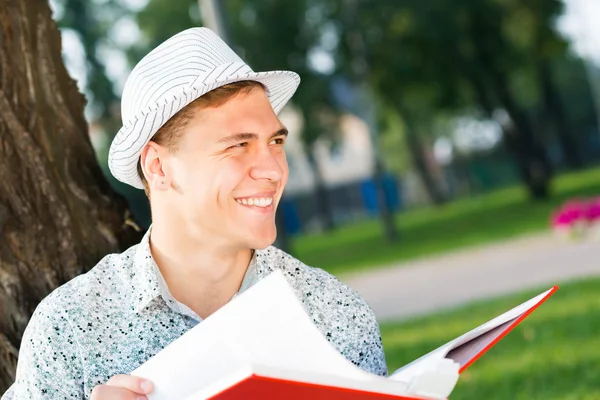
point(128, 143)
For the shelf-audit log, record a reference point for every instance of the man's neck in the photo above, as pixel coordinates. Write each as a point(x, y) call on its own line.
point(202, 276)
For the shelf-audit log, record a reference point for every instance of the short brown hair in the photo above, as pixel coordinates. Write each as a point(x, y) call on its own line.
point(170, 133)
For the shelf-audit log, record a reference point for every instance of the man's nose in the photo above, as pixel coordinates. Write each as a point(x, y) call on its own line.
point(267, 166)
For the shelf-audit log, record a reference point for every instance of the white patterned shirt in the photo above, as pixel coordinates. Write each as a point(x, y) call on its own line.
point(113, 318)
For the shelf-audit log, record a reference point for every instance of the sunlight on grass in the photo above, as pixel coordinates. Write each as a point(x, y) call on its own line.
point(553, 354)
point(444, 326)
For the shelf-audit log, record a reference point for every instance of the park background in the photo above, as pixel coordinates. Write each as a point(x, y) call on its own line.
point(428, 140)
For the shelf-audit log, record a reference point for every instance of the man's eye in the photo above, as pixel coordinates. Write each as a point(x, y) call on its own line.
point(243, 144)
point(278, 141)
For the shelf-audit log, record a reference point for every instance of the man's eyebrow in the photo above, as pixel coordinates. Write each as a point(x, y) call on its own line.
point(238, 137)
point(281, 132)
point(245, 136)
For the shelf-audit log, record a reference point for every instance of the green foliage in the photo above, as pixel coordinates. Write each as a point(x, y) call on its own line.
point(553, 354)
point(499, 215)
point(160, 20)
point(422, 52)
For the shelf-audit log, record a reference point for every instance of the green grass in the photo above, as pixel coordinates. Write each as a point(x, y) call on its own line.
point(502, 214)
point(553, 354)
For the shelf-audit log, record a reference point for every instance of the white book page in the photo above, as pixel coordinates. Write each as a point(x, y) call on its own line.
point(417, 367)
point(265, 325)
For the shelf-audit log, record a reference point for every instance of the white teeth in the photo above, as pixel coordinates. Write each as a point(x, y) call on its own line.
point(257, 202)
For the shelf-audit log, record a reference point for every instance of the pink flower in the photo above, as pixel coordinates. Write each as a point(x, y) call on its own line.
point(570, 213)
point(593, 210)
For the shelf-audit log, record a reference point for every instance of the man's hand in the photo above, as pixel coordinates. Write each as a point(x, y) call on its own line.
point(123, 387)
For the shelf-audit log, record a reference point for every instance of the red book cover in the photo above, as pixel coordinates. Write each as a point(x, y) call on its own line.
point(260, 387)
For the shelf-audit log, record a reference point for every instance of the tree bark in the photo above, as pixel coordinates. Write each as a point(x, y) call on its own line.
point(58, 213)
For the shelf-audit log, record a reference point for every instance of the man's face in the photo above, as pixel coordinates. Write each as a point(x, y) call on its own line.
point(229, 172)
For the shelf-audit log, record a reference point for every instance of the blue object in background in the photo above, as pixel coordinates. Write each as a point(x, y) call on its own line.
point(391, 189)
point(369, 195)
point(291, 219)
point(358, 198)
point(370, 198)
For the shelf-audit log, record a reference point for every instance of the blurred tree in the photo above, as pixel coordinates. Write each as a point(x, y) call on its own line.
point(394, 53)
point(58, 214)
point(366, 106)
point(496, 58)
point(434, 55)
point(543, 48)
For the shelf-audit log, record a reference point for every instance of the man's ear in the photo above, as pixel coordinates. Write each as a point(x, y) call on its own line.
point(152, 159)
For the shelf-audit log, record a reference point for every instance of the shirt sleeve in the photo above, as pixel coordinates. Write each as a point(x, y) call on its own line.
point(49, 365)
point(348, 321)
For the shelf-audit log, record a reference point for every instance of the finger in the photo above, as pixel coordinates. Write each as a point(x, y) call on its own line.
point(131, 383)
point(105, 392)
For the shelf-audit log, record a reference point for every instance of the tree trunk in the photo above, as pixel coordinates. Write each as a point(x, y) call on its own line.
point(321, 196)
point(416, 151)
point(526, 164)
point(554, 111)
point(58, 214)
point(385, 206)
point(532, 158)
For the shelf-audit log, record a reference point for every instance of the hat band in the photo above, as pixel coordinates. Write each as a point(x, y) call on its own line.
point(222, 71)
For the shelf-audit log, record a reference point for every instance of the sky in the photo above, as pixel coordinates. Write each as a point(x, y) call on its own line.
point(580, 25)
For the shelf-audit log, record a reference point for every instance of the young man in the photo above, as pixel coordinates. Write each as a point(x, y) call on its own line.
point(202, 137)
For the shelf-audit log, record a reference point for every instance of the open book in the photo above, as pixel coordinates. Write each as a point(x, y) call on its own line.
point(263, 344)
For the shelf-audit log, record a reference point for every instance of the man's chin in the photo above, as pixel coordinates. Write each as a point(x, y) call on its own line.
point(263, 241)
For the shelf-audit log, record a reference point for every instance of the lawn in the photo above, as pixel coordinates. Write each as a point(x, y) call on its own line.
point(552, 354)
point(498, 215)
